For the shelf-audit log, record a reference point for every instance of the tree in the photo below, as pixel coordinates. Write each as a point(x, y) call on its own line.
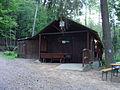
point(114, 8)
point(117, 4)
point(26, 17)
point(106, 33)
point(36, 11)
point(7, 22)
point(67, 8)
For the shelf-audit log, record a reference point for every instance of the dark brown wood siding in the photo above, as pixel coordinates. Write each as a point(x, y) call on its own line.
point(22, 48)
point(28, 48)
point(77, 42)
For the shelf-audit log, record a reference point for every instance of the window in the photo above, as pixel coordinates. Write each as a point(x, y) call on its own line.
point(65, 41)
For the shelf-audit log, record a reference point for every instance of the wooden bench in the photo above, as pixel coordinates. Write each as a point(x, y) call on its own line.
point(106, 70)
point(52, 56)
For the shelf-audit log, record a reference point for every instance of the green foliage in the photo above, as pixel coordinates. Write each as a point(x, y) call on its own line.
point(103, 62)
point(58, 8)
point(117, 8)
point(114, 13)
point(7, 21)
point(17, 16)
point(9, 54)
point(41, 18)
point(13, 48)
point(47, 12)
point(117, 57)
point(24, 16)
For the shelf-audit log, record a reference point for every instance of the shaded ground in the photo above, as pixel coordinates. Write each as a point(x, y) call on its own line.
point(23, 74)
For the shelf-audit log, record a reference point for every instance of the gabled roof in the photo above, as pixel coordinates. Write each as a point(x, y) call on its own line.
point(70, 25)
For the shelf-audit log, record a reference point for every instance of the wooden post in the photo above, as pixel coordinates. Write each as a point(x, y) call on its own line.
point(88, 47)
point(39, 45)
point(91, 48)
point(32, 49)
point(91, 41)
point(87, 40)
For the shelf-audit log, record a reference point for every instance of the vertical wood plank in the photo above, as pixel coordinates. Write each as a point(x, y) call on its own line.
point(91, 42)
point(39, 45)
point(87, 40)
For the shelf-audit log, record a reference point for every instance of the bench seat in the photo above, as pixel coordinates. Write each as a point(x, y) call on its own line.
point(106, 70)
point(60, 56)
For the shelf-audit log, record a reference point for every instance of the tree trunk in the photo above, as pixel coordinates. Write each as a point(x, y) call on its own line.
point(114, 28)
point(106, 33)
point(10, 44)
point(6, 43)
point(33, 30)
point(86, 16)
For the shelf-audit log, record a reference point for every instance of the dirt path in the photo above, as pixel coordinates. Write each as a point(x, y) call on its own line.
point(23, 74)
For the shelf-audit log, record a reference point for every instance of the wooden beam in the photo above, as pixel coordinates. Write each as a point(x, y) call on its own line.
point(88, 40)
point(63, 32)
point(91, 41)
point(39, 45)
point(56, 28)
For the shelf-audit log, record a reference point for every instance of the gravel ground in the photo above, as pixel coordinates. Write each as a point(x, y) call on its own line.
point(23, 74)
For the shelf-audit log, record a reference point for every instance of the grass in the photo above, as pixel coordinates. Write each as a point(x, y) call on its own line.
point(9, 55)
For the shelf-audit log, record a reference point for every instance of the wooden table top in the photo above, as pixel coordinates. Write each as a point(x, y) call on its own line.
point(115, 64)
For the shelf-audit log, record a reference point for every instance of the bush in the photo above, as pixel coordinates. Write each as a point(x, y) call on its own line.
point(10, 53)
point(13, 48)
point(103, 62)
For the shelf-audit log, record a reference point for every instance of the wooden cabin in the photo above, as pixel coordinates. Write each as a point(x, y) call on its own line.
point(69, 42)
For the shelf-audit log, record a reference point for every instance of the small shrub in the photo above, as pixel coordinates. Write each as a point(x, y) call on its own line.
point(10, 54)
point(103, 62)
point(13, 48)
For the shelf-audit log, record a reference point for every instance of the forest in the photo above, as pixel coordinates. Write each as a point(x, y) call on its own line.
point(25, 18)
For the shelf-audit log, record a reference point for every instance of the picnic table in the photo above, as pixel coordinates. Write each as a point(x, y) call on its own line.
point(115, 67)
